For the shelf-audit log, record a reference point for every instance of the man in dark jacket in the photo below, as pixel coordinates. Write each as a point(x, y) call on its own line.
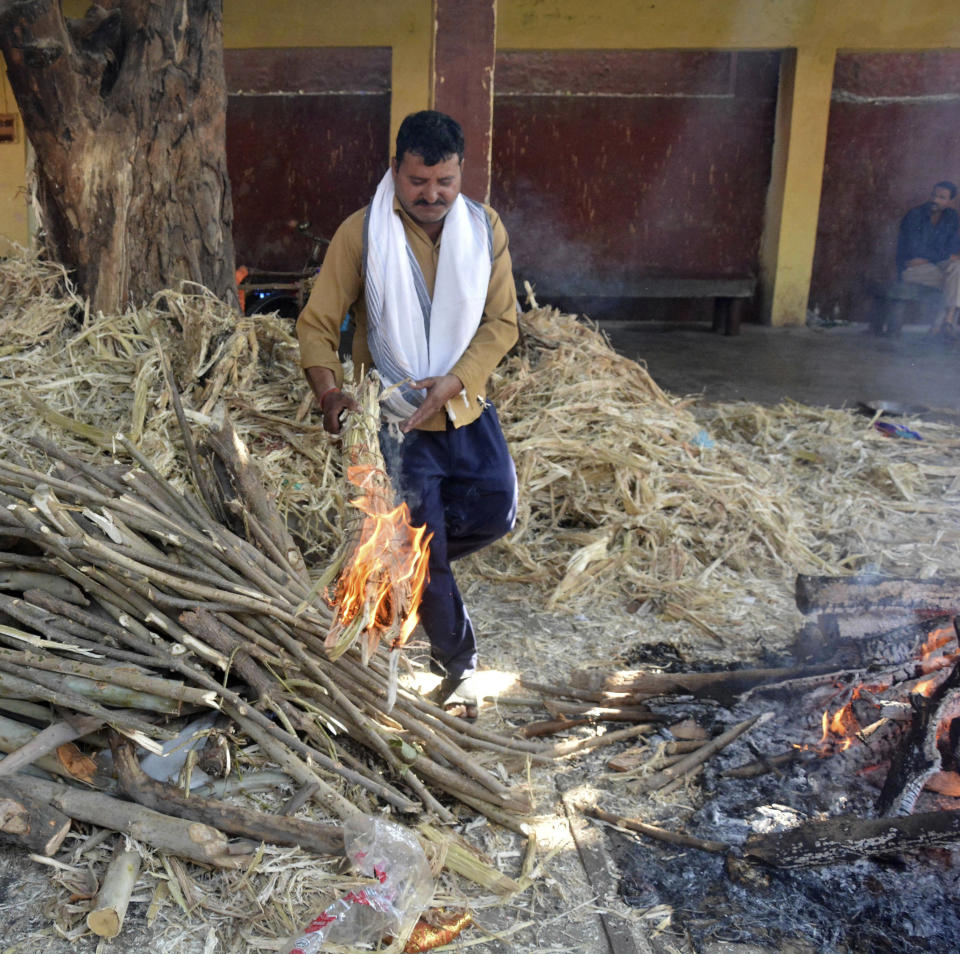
point(928, 252)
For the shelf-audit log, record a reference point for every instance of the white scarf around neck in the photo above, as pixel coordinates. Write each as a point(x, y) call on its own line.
point(410, 336)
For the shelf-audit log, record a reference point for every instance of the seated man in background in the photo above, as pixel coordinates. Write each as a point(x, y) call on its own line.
point(928, 252)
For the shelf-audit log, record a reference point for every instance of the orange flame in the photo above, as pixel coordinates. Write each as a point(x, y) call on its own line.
point(926, 687)
point(381, 585)
point(842, 726)
point(933, 656)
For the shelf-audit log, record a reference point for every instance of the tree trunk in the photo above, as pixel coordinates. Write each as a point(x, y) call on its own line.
point(126, 113)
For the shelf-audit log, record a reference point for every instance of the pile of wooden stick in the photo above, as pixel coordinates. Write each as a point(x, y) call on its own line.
point(126, 605)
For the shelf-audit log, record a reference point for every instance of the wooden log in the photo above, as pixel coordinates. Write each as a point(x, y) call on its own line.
point(673, 751)
point(586, 695)
point(57, 586)
point(106, 918)
point(720, 685)
point(866, 626)
point(29, 821)
point(837, 594)
point(847, 838)
point(128, 677)
point(28, 746)
point(600, 713)
point(768, 763)
point(575, 746)
point(917, 757)
point(188, 839)
point(653, 783)
point(882, 646)
point(533, 730)
point(248, 484)
point(261, 826)
point(20, 688)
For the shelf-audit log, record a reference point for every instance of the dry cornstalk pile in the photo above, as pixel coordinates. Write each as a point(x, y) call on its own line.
point(625, 492)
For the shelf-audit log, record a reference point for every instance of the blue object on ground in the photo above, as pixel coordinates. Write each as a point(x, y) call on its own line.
point(896, 430)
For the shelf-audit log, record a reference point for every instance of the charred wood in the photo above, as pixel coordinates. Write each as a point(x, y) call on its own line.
point(917, 757)
point(883, 647)
point(857, 595)
point(848, 838)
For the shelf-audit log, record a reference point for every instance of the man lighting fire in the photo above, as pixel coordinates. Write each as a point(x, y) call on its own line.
point(425, 273)
point(928, 253)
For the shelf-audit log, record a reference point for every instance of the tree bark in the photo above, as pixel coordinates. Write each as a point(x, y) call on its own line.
point(260, 826)
point(126, 113)
point(188, 839)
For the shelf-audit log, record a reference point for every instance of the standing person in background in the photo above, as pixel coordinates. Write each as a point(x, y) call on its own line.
point(928, 252)
point(426, 274)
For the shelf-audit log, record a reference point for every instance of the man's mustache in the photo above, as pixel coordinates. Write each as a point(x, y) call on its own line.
point(431, 204)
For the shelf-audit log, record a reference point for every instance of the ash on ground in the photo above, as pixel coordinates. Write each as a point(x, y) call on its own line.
point(900, 903)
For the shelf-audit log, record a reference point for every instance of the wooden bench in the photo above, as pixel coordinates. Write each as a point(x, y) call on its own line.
point(892, 301)
point(728, 294)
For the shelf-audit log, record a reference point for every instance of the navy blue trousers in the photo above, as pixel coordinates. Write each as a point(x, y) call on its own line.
point(460, 483)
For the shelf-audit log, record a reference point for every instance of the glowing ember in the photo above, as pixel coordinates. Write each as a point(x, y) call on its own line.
point(944, 783)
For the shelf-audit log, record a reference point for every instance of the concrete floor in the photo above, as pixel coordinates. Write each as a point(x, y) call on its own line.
point(838, 366)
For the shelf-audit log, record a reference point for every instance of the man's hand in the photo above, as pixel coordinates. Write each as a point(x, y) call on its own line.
point(917, 261)
point(330, 399)
point(439, 391)
point(334, 403)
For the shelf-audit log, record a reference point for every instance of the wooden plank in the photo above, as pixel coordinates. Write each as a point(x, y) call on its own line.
point(599, 868)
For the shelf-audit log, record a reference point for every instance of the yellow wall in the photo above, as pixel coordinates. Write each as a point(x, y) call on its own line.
point(811, 30)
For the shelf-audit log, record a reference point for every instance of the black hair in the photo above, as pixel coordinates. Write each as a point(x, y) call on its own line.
point(431, 135)
point(949, 186)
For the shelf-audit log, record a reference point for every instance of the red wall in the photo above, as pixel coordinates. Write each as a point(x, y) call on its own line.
point(308, 135)
point(894, 131)
point(615, 164)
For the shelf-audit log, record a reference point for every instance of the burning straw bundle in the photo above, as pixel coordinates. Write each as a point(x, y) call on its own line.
point(382, 566)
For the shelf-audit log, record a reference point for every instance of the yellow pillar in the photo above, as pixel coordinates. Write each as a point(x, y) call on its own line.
point(794, 205)
point(13, 170)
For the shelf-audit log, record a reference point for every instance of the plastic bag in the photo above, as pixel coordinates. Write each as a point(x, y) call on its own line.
point(403, 887)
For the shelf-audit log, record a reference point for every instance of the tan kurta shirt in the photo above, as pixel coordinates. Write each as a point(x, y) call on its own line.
point(339, 289)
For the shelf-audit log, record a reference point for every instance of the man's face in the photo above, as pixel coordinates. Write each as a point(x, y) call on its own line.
point(426, 192)
point(940, 198)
